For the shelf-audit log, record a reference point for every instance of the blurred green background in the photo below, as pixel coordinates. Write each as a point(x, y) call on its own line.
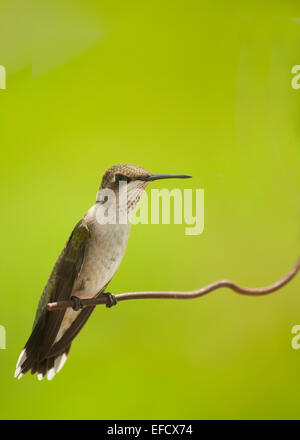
point(194, 87)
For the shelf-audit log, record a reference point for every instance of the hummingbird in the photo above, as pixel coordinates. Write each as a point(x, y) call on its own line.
point(84, 268)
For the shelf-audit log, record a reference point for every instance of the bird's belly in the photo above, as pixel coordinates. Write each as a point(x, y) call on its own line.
point(102, 258)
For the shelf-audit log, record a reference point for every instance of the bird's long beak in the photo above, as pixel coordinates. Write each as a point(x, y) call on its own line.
point(152, 177)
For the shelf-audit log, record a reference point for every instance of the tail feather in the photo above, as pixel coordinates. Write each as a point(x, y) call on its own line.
point(44, 356)
point(31, 357)
point(47, 367)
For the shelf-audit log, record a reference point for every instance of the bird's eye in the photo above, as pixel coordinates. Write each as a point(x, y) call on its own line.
point(122, 178)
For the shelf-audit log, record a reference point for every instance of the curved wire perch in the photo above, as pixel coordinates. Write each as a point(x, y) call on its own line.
point(104, 299)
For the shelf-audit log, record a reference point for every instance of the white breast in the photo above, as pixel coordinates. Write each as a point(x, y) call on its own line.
point(103, 255)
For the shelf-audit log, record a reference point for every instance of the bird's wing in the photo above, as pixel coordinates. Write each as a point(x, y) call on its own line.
point(60, 285)
point(66, 268)
point(46, 295)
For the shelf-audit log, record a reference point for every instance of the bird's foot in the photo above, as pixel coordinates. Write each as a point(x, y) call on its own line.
point(77, 303)
point(112, 299)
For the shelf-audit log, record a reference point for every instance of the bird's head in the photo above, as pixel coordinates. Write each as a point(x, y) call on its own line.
point(130, 181)
point(130, 174)
point(133, 176)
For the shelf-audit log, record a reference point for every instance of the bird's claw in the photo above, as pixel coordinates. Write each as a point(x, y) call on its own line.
point(77, 303)
point(112, 299)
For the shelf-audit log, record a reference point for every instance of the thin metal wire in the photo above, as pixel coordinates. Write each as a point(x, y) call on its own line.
point(104, 299)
